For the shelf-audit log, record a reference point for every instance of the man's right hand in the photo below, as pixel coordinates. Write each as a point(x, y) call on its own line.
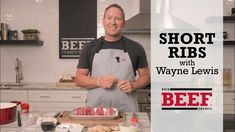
point(106, 81)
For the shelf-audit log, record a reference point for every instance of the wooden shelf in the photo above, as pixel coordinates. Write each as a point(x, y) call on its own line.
point(229, 42)
point(21, 42)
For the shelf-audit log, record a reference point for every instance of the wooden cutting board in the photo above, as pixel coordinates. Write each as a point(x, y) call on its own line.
point(65, 118)
point(65, 84)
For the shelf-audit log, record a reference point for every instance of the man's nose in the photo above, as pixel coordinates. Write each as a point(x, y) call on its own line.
point(113, 21)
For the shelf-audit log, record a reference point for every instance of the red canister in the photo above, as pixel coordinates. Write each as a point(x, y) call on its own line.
point(24, 107)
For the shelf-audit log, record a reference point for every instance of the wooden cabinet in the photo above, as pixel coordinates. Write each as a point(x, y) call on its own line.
point(229, 102)
point(52, 100)
point(13, 95)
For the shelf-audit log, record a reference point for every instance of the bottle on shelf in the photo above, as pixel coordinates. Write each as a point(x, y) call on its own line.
point(4, 31)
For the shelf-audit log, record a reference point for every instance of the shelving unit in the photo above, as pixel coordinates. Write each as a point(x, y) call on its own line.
point(229, 18)
point(226, 19)
point(21, 42)
point(229, 42)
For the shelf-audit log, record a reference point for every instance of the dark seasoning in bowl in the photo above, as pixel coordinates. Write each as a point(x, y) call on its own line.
point(47, 126)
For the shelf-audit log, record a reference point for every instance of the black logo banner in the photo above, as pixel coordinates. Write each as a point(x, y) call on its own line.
point(77, 26)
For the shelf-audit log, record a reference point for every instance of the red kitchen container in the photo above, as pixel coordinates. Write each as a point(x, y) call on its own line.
point(7, 112)
point(24, 107)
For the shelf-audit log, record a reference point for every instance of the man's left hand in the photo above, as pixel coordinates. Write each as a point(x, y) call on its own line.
point(126, 86)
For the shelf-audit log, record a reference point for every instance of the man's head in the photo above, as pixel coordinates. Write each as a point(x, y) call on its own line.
point(113, 21)
point(115, 6)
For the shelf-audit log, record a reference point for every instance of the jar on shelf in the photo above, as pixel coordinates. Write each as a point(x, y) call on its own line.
point(30, 34)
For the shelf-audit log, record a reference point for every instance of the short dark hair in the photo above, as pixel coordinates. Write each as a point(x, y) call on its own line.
point(116, 6)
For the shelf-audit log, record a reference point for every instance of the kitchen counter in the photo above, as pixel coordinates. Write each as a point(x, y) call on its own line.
point(49, 86)
point(229, 88)
point(40, 96)
point(43, 86)
point(143, 121)
point(57, 86)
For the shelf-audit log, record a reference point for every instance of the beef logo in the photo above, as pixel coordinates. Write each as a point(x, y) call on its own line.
point(186, 98)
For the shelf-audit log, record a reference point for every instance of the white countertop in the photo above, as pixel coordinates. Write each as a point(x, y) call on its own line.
point(55, 86)
point(48, 86)
point(42, 86)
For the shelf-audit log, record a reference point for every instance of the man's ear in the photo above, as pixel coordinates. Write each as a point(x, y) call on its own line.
point(124, 23)
point(103, 21)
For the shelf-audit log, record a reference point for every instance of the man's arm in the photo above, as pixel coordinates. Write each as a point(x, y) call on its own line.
point(142, 81)
point(85, 81)
point(144, 78)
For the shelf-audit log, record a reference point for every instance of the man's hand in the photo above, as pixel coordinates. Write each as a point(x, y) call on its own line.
point(126, 86)
point(106, 81)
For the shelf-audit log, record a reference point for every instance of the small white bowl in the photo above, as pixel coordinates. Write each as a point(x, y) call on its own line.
point(128, 127)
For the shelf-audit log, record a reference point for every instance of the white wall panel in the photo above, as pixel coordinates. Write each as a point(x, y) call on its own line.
point(42, 64)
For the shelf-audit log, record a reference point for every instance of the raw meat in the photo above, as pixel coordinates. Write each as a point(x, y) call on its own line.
point(109, 111)
point(89, 110)
point(99, 111)
point(80, 111)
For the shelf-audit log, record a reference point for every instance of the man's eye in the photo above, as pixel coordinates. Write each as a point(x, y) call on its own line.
point(118, 18)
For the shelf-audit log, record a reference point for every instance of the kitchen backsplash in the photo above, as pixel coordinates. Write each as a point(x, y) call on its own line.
point(42, 63)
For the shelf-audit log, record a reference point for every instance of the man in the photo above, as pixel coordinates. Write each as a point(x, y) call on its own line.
point(107, 66)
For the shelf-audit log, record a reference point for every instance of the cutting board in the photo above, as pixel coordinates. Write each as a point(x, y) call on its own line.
point(65, 118)
point(66, 84)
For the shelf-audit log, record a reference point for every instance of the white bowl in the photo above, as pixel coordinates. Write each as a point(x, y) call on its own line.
point(128, 127)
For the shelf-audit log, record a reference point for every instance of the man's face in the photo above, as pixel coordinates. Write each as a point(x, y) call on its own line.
point(113, 22)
